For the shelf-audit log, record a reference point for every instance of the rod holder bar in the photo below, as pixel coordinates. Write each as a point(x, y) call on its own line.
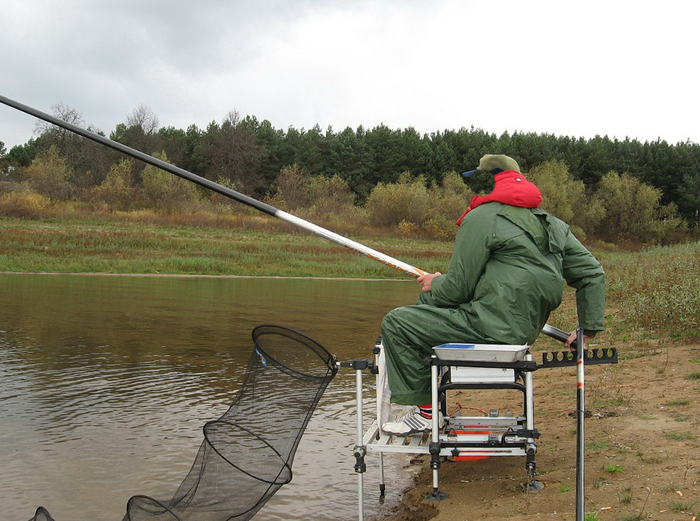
point(607, 355)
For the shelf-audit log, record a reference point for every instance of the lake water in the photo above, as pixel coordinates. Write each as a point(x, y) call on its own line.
point(107, 381)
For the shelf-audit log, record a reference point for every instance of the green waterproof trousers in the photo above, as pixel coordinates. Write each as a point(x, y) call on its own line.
point(409, 333)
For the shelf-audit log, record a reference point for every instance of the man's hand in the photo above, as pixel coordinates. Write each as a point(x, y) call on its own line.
point(572, 338)
point(427, 280)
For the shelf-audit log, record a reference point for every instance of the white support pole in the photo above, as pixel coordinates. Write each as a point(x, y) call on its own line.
point(379, 367)
point(529, 398)
point(435, 437)
point(358, 446)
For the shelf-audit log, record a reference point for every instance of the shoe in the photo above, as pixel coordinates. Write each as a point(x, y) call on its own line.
point(410, 423)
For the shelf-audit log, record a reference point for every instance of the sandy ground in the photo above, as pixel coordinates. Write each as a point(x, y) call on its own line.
point(642, 458)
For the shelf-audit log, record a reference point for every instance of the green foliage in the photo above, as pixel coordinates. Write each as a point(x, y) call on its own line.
point(407, 200)
point(49, 176)
point(18, 157)
point(117, 189)
point(229, 152)
point(566, 198)
point(296, 190)
point(292, 188)
point(652, 202)
point(23, 203)
point(632, 210)
point(448, 201)
point(164, 190)
point(330, 195)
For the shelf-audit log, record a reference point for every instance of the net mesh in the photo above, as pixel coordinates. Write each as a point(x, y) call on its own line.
point(247, 453)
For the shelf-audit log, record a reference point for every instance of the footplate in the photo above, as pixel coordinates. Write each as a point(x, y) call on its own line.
point(464, 437)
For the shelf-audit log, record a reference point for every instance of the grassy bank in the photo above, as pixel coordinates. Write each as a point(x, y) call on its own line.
point(132, 246)
point(649, 293)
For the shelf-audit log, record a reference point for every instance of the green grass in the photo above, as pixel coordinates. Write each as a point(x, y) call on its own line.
point(680, 402)
point(80, 246)
point(597, 445)
point(625, 496)
point(682, 506)
point(679, 436)
point(660, 287)
point(613, 469)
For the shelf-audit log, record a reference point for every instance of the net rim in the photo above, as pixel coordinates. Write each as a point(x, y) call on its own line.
point(273, 329)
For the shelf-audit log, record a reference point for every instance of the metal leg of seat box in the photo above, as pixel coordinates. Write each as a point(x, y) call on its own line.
point(531, 446)
point(360, 450)
point(434, 447)
point(378, 346)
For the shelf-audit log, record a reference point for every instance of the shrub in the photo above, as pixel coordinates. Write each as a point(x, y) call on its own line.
point(317, 197)
point(167, 191)
point(406, 200)
point(49, 176)
point(117, 189)
point(565, 198)
point(330, 195)
point(632, 210)
point(23, 204)
point(292, 188)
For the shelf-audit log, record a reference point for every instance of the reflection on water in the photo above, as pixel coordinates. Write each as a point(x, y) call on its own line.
point(107, 381)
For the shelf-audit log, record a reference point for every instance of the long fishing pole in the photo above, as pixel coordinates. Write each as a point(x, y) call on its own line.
point(237, 196)
point(223, 190)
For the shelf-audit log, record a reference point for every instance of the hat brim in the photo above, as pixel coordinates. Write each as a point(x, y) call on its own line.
point(469, 173)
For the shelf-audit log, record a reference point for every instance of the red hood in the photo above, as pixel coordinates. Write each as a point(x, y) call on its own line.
point(511, 188)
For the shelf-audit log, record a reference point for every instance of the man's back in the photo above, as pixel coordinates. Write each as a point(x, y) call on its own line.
point(506, 272)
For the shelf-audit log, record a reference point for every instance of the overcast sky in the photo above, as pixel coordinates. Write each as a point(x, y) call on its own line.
point(565, 67)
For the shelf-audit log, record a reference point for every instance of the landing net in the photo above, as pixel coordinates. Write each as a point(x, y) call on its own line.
point(247, 454)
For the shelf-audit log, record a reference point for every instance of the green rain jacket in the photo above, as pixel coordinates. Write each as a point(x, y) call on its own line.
point(508, 269)
point(506, 276)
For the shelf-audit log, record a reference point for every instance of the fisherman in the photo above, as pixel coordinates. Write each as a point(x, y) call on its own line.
point(506, 276)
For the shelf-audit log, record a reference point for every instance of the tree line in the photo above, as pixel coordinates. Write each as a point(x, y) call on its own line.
point(590, 181)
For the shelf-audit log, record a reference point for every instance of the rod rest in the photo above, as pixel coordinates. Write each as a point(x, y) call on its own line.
point(606, 355)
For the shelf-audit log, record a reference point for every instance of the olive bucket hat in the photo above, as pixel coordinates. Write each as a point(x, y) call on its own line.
point(494, 164)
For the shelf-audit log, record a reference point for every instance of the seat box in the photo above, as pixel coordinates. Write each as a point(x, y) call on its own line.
point(481, 352)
